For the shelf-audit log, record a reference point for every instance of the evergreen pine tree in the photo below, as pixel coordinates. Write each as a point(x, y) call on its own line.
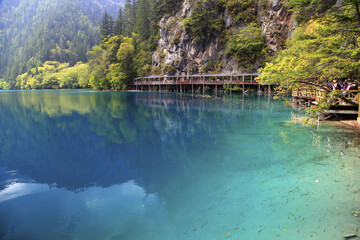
point(105, 26)
point(128, 19)
point(142, 19)
point(119, 25)
point(111, 26)
point(134, 7)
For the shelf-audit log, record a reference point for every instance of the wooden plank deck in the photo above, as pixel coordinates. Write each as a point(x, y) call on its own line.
point(209, 79)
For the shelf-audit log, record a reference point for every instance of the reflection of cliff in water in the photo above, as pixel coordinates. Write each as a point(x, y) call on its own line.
point(103, 138)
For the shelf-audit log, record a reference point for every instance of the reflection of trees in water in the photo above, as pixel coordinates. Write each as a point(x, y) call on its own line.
point(79, 138)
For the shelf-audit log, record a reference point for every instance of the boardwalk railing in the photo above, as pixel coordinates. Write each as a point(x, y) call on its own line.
point(304, 93)
point(190, 82)
point(318, 95)
point(245, 78)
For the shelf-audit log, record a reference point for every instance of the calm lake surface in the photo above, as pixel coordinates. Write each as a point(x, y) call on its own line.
point(79, 164)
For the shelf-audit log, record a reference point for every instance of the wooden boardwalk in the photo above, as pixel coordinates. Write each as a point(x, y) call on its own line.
point(201, 83)
point(313, 96)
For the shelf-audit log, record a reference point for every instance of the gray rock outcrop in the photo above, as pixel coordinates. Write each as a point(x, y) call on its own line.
point(177, 50)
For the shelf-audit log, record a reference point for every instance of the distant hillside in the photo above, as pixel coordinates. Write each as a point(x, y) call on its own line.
point(59, 30)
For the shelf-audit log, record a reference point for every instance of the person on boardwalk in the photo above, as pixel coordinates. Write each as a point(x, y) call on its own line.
point(344, 85)
point(334, 85)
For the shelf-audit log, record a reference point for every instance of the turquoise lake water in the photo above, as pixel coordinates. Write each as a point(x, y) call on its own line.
point(79, 164)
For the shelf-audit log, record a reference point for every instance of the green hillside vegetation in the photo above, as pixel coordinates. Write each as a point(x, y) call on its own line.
point(32, 32)
point(247, 46)
point(64, 38)
point(245, 43)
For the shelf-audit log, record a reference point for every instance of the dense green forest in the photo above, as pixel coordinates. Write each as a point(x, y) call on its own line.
point(57, 46)
point(33, 32)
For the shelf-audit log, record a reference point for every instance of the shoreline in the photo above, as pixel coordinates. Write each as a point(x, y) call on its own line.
point(350, 123)
point(346, 125)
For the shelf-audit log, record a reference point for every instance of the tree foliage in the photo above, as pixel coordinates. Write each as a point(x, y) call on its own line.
point(242, 10)
point(107, 28)
point(117, 61)
point(53, 75)
point(203, 21)
point(247, 46)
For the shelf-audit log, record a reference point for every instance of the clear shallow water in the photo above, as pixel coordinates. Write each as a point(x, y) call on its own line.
point(100, 165)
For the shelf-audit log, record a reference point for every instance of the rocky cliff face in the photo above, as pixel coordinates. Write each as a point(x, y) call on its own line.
point(177, 53)
point(277, 24)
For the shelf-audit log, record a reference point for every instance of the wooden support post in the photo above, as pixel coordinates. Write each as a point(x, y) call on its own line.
point(216, 83)
point(180, 84)
point(358, 96)
point(203, 80)
point(192, 84)
point(187, 80)
point(243, 101)
point(243, 79)
point(177, 84)
point(160, 84)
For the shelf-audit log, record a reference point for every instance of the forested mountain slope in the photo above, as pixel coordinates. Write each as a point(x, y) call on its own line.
point(41, 30)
